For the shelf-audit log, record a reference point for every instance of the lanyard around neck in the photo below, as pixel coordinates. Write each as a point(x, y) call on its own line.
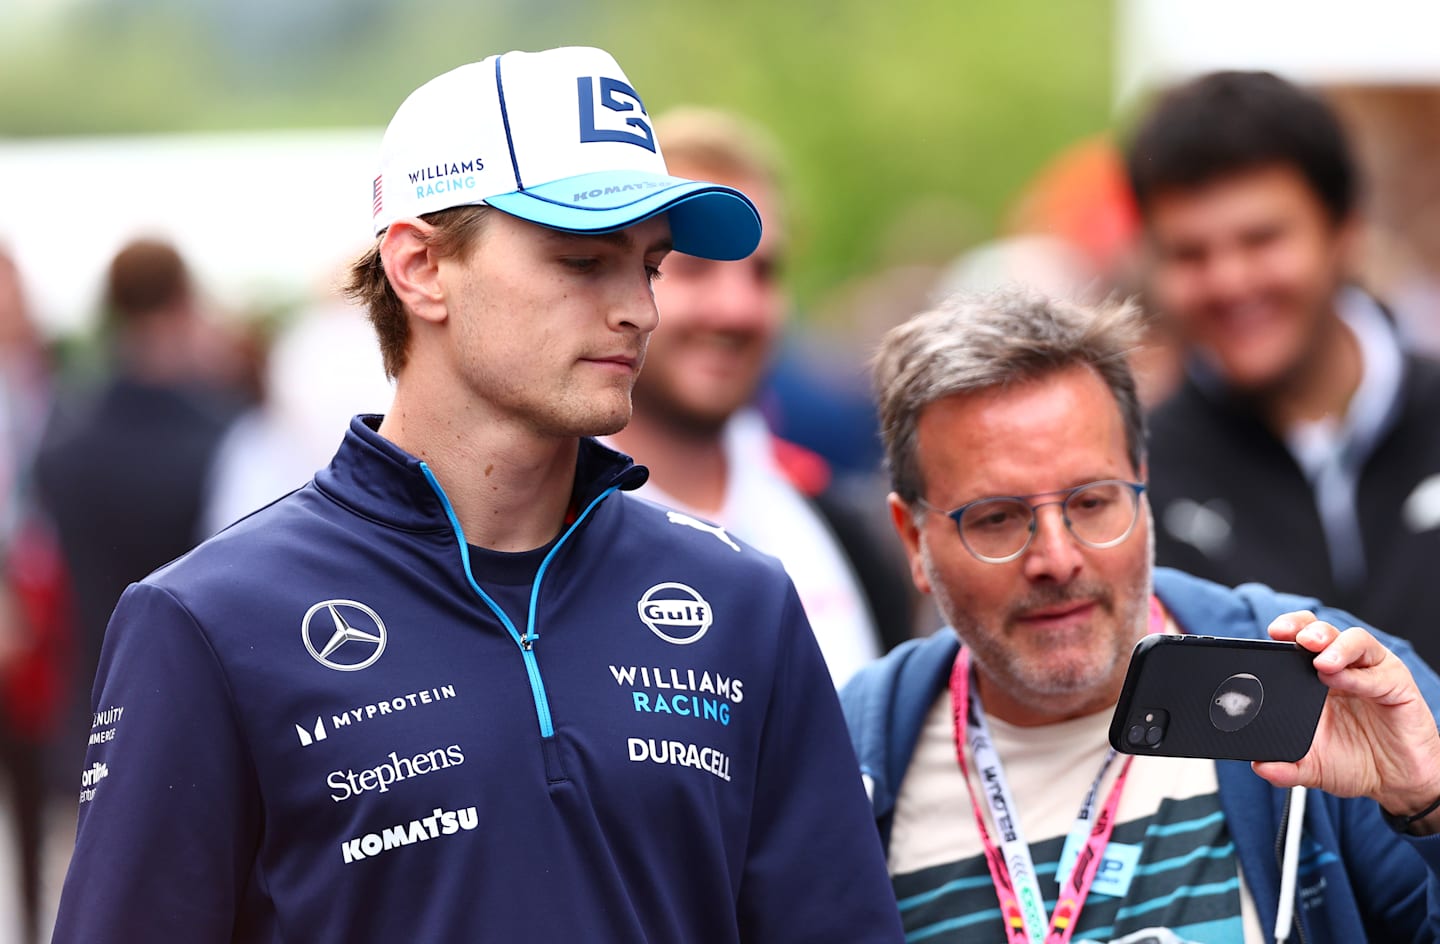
point(1011, 868)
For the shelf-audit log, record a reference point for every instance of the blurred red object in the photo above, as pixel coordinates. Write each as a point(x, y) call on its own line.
point(1083, 197)
point(33, 680)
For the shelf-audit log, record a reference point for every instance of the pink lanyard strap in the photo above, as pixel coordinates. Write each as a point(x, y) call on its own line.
point(1023, 921)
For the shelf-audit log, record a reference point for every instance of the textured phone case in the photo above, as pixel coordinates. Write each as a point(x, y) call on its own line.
point(1235, 699)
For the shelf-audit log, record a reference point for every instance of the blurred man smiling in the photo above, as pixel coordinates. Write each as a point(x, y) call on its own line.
point(1302, 448)
point(710, 453)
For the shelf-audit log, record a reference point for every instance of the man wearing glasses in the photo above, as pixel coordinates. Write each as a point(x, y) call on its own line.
point(1015, 444)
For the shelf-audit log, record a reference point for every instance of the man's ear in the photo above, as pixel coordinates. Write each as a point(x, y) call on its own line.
point(413, 269)
point(904, 522)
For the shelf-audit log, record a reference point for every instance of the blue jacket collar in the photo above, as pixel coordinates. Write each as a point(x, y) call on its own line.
point(377, 479)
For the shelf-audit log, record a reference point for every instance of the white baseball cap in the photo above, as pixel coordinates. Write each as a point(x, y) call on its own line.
point(559, 138)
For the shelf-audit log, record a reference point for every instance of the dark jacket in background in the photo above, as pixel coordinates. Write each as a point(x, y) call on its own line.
point(1232, 505)
point(121, 472)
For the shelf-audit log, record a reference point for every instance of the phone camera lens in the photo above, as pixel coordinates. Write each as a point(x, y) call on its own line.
point(1146, 730)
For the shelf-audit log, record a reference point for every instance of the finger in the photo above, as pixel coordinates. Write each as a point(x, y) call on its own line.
point(1317, 636)
point(1365, 669)
point(1353, 649)
point(1285, 626)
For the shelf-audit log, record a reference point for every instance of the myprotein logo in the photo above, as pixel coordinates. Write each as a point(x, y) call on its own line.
point(676, 613)
point(310, 734)
point(317, 733)
point(343, 635)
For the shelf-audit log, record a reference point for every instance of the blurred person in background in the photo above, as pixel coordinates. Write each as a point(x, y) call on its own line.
point(319, 370)
point(1073, 233)
point(709, 450)
point(1303, 449)
point(1082, 197)
point(35, 628)
point(122, 466)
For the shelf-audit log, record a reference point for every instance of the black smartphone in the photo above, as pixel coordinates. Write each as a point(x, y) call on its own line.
point(1230, 699)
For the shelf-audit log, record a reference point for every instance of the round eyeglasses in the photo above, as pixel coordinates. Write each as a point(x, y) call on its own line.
point(998, 530)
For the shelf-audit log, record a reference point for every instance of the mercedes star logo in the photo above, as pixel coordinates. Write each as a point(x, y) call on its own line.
point(343, 635)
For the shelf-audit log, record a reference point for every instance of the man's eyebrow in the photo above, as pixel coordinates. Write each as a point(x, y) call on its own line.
point(619, 238)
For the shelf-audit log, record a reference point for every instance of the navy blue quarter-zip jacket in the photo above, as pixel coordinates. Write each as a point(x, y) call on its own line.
point(337, 723)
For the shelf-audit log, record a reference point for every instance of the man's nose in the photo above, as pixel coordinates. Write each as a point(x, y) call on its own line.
point(634, 306)
point(1054, 553)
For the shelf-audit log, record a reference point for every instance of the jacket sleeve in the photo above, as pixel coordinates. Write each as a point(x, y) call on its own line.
point(1422, 901)
point(169, 814)
point(814, 869)
point(1398, 893)
point(1393, 892)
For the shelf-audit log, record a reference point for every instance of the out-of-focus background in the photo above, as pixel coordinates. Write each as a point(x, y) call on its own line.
point(249, 129)
point(928, 144)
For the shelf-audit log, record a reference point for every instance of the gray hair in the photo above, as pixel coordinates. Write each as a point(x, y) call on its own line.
point(975, 342)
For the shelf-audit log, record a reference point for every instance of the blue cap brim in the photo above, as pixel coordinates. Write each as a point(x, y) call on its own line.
point(706, 219)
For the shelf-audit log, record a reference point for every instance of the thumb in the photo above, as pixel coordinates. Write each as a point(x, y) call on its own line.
point(1277, 773)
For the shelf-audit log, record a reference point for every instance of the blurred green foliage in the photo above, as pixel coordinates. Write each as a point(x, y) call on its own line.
point(909, 127)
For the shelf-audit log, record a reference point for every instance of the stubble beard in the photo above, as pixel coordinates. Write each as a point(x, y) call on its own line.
point(1018, 659)
point(608, 426)
point(663, 409)
point(581, 413)
point(606, 422)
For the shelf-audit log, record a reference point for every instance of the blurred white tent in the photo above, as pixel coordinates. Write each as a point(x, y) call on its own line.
point(1376, 61)
point(1321, 42)
point(258, 215)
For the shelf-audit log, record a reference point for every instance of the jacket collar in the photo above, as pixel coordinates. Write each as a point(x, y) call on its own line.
point(377, 479)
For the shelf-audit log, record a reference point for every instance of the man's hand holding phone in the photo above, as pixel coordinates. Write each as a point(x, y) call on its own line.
point(1376, 737)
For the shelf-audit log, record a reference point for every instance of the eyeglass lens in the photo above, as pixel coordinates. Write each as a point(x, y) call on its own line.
point(1098, 515)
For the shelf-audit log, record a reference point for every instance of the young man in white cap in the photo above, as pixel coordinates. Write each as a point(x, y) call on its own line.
point(460, 687)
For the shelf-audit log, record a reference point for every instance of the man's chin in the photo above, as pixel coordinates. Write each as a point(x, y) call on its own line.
point(1255, 370)
point(682, 419)
point(604, 418)
point(1059, 673)
point(607, 424)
